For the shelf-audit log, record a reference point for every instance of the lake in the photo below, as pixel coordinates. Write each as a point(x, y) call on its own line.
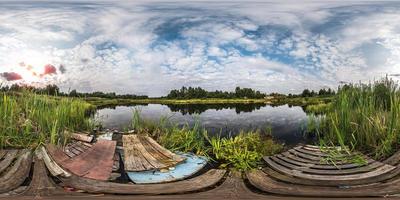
point(287, 123)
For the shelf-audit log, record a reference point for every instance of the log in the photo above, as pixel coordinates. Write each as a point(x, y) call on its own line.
point(17, 173)
point(201, 182)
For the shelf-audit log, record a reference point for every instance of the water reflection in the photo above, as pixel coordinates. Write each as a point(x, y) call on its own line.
point(287, 123)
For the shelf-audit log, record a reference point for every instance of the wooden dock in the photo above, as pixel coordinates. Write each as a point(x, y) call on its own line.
point(303, 171)
point(299, 172)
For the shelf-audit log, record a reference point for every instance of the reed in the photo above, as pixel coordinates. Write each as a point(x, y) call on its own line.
point(29, 119)
point(364, 117)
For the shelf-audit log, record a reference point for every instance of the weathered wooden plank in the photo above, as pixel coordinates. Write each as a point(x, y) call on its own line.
point(377, 172)
point(82, 137)
point(95, 163)
point(8, 159)
point(317, 159)
point(17, 173)
point(41, 184)
point(394, 159)
point(307, 169)
point(334, 170)
point(294, 180)
point(324, 165)
point(52, 166)
point(265, 183)
point(323, 154)
point(58, 155)
point(141, 154)
point(164, 151)
point(154, 152)
point(2, 153)
point(133, 157)
point(201, 182)
point(149, 161)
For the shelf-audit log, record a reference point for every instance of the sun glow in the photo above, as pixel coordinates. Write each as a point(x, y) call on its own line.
point(30, 65)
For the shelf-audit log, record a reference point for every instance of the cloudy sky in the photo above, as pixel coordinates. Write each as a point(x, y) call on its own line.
point(152, 47)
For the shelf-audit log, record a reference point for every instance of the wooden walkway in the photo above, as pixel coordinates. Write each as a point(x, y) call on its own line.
point(304, 171)
point(142, 153)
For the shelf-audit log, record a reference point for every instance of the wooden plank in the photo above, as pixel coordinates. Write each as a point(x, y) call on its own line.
point(2, 153)
point(333, 169)
point(8, 159)
point(52, 166)
point(322, 165)
point(265, 183)
point(149, 161)
point(164, 151)
point(322, 154)
point(377, 172)
point(141, 153)
point(17, 173)
point(133, 157)
point(294, 180)
point(201, 182)
point(95, 163)
point(41, 184)
point(394, 159)
point(156, 152)
point(82, 137)
point(323, 147)
point(281, 160)
point(315, 159)
point(74, 151)
point(58, 155)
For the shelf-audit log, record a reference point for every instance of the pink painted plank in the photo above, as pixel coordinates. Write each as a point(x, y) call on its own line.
point(95, 163)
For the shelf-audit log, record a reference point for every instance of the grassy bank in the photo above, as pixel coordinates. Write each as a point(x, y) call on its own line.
point(364, 117)
point(299, 101)
point(242, 152)
point(28, 119)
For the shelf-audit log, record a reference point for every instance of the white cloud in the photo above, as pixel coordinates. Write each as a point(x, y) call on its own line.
point(149, 48)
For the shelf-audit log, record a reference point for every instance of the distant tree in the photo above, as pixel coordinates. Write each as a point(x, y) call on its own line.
point(73, 93)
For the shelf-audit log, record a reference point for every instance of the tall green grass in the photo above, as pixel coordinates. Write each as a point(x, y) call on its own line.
point(29, 119)
point(364, 117)
point(244, 151)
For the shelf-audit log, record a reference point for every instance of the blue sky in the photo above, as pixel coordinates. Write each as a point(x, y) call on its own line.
point(152, 47)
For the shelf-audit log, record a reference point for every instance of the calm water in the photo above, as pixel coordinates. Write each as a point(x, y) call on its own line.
point(287, 123)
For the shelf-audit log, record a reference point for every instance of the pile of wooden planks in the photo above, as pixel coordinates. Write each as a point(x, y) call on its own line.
point(304, 171)
point(142, 153)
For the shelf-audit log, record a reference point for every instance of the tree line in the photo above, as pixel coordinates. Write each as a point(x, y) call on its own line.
point(54, 90)
point(183, 93)
point(311, 93)
point(200, 93)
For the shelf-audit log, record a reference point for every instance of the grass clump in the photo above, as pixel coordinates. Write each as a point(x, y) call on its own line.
point(244, 151)
point(29, 119)
point(364, 117)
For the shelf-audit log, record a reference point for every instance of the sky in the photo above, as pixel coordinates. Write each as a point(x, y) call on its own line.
point(149, 47)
